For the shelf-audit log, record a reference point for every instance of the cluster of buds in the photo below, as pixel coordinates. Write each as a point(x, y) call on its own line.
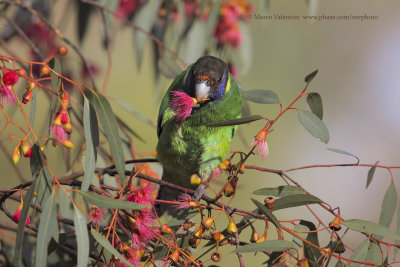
point(27, 96)
point(61, 125)
point(24, 148)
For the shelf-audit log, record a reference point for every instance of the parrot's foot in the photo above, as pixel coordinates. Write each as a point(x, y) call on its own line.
point(199, 192)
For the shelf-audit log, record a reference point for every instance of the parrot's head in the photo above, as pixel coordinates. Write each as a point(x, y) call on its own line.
point(207, 79)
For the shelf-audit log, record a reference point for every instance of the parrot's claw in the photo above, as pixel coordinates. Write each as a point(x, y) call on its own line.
point(199, 192)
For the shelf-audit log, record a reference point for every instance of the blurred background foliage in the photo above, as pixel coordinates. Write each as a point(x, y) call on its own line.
point(357, 60)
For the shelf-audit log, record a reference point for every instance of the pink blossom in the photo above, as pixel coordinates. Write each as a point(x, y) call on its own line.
point(143, 233)
point(10, 78)
point(127, 8)
point(184, 201)
point(181, 104)
point(96, 214)
point(191, 8)
point(143, 195)
point(262, 147)
point(226, 34)
point(6, 95)
point(59, 133)
point(17, 215)
point(217, 172)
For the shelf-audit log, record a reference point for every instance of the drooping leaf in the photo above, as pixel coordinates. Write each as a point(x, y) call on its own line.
point(106, 244)
point(374, 254)
point(313, 125)
point(41, 173)
point(261, 96)
point(280, 191)
point(311, 253)
point(56, 86)
point(371, 173)
point(109, 203)
point(48, 227)
point(135, 112)
point(311, 76)
point(271, 217)
point(145, 19)
point(22, 219)
point(84, 14)
point(341, 151)
point(107, 26)
point(388, 206)
point(196, 41)
point(32, 113)
point(271, 246)
point(82, 238)
point(302, 234)
point(314, 100)
point(295, 201)
point(109, 124)
point(237, 121)
point(370, 228)
point(91, 132)
point(360, 254)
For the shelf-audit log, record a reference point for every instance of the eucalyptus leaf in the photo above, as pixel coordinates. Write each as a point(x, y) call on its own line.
point(310, 76)
point(341, 151)
point(313, 125)
point(371, 173)
point(388, 206)
point(82, 238)
point(295, 201)
point(370, 228)
point(109, 124)
point(302, 234)
point(135, 112)
point(261, 96)
point(109, 203)
point(315, 102)
point(47, 228)
point(374, 254)
point(237, 121)
point(106, 244)
point(360, 254)
point(280, 191)
point(271, 246)
point(169, 67)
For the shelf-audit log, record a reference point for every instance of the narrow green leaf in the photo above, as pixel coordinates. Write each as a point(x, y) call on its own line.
point(237, 121)
point(315, 102)
point(105, 244)
point(56, 86)
point(91, 131)
point(271, 246)
point(32, 113)
point(22, 220)
point(374, 254)
point(360, 254)
point(47, 228)
point(311, 76)
point(196, 41)
point(245, 49)
point(396, 249)
point(82, 238)
point(271, 217)
point(280, 191)
point(135, 112)
point(107, 26)
point(371, 173)
point(261, 96)
point(341, 151)
point(311, 253)
point(388, 206)
point(302, 229)
point(84, 15)
point(295, 201)
point(145, 19)
point(313, 125)
point(107, 120)
point(40, 173)
point(109, 203)
point(370, 228)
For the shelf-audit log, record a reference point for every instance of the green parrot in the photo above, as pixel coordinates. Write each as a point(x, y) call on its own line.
point(204, 93)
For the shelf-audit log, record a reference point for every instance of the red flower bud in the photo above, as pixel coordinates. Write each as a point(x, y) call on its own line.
point(44, 71)
point(27, 96)
point(10, 78)
point(21, 72)
point(16, 155)
point(26, 149)
point(63, 50)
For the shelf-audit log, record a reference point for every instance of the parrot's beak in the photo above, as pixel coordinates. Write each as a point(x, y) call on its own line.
point(203, 86)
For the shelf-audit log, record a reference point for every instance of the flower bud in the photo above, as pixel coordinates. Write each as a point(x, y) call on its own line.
point(26, 149)
point(67, 127)
point(187, 225)
point(207, 222)
point(226, 164)
point(165, 229)
point(44, 71)
point(174, 256)
point(31, 85)
point(228, 191)
point(194, 242)
point(269, 202)
point(63, 50)
point(27, 96)
point(21, 72)
point(232, 229)
point(16, 155)
point(198, 232)
point(195, 179)
point(254, 235)
point(68, 143)
point(335, 224)
point(325, 252)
